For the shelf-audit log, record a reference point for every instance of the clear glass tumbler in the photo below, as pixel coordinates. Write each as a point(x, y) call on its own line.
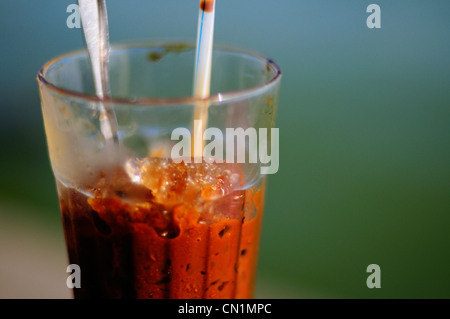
point(138, 222)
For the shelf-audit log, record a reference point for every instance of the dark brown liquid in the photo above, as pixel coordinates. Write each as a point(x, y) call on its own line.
point(143, 249)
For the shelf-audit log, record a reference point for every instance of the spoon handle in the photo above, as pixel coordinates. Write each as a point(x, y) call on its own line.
point(103, 46)
point(95, 29)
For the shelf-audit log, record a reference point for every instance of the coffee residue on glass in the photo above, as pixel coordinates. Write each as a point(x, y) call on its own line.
point(162, 51)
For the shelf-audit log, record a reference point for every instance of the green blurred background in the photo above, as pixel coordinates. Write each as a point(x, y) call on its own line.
point(364, 118)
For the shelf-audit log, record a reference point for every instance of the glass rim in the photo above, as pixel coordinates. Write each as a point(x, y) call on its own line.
point(218, 98)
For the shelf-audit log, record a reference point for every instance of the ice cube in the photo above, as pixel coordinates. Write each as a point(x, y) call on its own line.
point(174, 183)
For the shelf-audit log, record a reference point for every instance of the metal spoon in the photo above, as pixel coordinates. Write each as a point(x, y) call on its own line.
point(96, 34)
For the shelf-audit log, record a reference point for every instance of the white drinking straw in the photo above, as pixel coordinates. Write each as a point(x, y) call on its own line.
point(95, 29)
point(202, 74)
